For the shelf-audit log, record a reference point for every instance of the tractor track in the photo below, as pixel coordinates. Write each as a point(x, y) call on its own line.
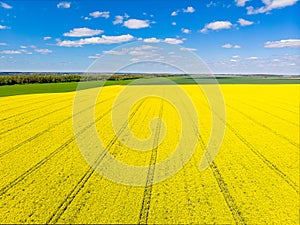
point(47, 130)
point(50, 156)
point(145, 209)
point(84, 179)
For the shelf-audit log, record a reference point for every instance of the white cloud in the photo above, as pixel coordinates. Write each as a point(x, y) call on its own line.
point(166, 40)
point(241, 3)
point(173, 41)
point(98, 14)
point(226, 46)
point(244, 22)
point(115, 52)
point(230, 46)
point(174, 13)
point(233, 60)
point(174, 23)
point(2, 27)
point(22, 46)
point(146, 51)
point(96, 40)
point(86, 18)
point(218, 25)
point(289, 43)
point(47, 38)
point(151, 40)
point(11, 52)
point(82, 32)
point(235, 56)
point(64, 5)
point(43, 51)
point(252, 58)
point(3, 44)
point(97, 56)
point(189, 9)
point(136, 24)
point(211, 4)
point(186, 31)
point(5, 5)
point(188, 49)
point(118, 20)
point(270, 5)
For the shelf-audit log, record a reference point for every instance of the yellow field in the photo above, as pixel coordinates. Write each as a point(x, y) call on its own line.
point(254, 178)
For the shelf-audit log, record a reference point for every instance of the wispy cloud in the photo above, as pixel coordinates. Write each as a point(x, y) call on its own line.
point(11, 52)
point(252, 58)
point(43, 51)
point(188, 49)
point(118, 20)
point(136, 24)
point(189, 9)
point(3, 44)
point(82, 32)
point(2, 27)
point(96, 40)
point(241, 3)
point(64, 5)
point(47, 38)
point(270, 5)
point(173, 41)
point(230, 46)
point(218, 25)
point(175, 13)
point(185, 31)
point(289, 43)
point(244, 22)
point(5, 5)
point(98, 14)
point(97, 56)
point(152, 40)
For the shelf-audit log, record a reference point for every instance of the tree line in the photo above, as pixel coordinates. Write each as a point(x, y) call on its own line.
point(58, 78)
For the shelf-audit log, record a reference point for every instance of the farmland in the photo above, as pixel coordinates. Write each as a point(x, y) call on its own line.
point(254, 178)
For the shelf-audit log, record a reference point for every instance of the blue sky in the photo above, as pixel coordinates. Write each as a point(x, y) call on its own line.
point(230, 36)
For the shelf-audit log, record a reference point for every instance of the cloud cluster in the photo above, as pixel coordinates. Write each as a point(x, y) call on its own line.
point(230, 46)
point(189, 9)
point(24, 50)
point(82, 32)
point(96, 40)
point(118, 20)
point(173, 41)
point(241, 3)
point(270, 5)
point(43, 51)
point(98, 14)
point(289, 43)
point(5, 5)
point(244, 22)
point(64, 5)
point(218, 25)
point(136, 24)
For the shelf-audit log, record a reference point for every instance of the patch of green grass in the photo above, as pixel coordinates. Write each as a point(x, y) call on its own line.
point(72, 86)
point(22, 89)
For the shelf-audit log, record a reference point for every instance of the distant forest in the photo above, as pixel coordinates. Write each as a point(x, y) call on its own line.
point(60, 78)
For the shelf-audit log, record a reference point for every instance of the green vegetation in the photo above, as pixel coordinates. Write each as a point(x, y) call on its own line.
point(100, 80)
point(58, 78)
